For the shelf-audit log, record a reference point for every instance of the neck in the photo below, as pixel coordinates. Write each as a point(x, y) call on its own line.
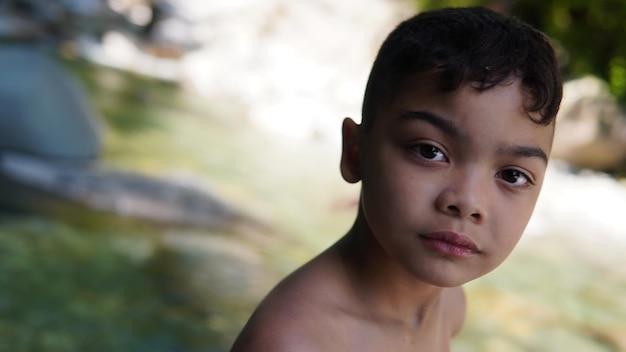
point(384, 288)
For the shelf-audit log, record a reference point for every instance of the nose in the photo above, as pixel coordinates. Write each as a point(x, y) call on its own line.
point(464, 197)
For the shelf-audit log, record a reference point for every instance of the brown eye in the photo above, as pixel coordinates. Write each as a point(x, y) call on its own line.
point(514, 177)
point(429, 152)
point(511, 176)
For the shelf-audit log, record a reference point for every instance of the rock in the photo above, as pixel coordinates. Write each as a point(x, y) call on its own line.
point(43, 110)
point(591, 129)
point(73, 190)
point(52, 20)
point(13, 28)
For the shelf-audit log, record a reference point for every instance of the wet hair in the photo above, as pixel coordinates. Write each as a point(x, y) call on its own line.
point(472, 45)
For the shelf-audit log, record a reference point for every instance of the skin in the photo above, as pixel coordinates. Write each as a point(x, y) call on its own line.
point(465, 164)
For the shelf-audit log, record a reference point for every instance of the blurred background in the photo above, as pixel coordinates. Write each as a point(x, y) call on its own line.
point(163, 163)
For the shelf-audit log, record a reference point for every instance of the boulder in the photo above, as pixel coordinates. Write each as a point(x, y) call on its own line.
point(43, 110)
point(49, 146)
point(591, 129)
point(93, 191)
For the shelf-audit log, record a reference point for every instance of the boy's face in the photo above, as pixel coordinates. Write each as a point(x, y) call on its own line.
point(449, 179)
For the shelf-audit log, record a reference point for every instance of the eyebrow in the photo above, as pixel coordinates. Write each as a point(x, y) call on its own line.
point(449, 128)
point(523, 151)
point(446, 126)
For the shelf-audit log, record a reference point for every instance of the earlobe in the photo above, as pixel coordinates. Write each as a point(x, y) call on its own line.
point(350, 154)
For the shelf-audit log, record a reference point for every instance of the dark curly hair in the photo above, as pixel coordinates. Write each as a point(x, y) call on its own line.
point(472, 45)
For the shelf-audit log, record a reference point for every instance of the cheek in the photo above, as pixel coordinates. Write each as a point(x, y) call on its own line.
point(381, 203)
point(509, 229)
point(385, 199)
point(394, 202)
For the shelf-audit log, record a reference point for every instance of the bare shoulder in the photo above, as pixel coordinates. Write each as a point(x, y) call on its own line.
point(276, 333)
point(298, 314)
point(456, 307)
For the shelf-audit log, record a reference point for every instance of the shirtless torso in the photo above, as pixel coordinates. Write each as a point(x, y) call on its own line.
point(325, 306)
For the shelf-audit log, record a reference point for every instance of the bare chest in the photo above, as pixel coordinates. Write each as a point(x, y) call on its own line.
point(376, 337)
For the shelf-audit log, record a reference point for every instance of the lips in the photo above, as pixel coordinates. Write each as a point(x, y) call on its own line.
point(450, 243)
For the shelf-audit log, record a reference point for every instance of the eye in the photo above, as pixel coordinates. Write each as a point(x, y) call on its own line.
point(429, 152)
point(515, 177)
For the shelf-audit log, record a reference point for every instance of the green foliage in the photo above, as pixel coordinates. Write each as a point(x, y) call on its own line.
point(590, 34)
point(62, 289)
point(437, 4)
point(617, 76)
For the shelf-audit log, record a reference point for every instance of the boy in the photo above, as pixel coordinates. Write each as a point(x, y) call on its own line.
point(458, 120)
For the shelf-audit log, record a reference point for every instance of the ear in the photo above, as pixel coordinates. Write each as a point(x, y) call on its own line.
point(350, 152)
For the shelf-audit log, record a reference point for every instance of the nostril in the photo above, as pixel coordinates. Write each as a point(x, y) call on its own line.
point(454, 209)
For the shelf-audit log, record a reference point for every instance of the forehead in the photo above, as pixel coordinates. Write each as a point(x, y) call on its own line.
point(427, 84)
point(499, 109)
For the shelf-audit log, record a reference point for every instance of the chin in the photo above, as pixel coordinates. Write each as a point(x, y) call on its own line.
point(450, 278)
point(447, 283)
